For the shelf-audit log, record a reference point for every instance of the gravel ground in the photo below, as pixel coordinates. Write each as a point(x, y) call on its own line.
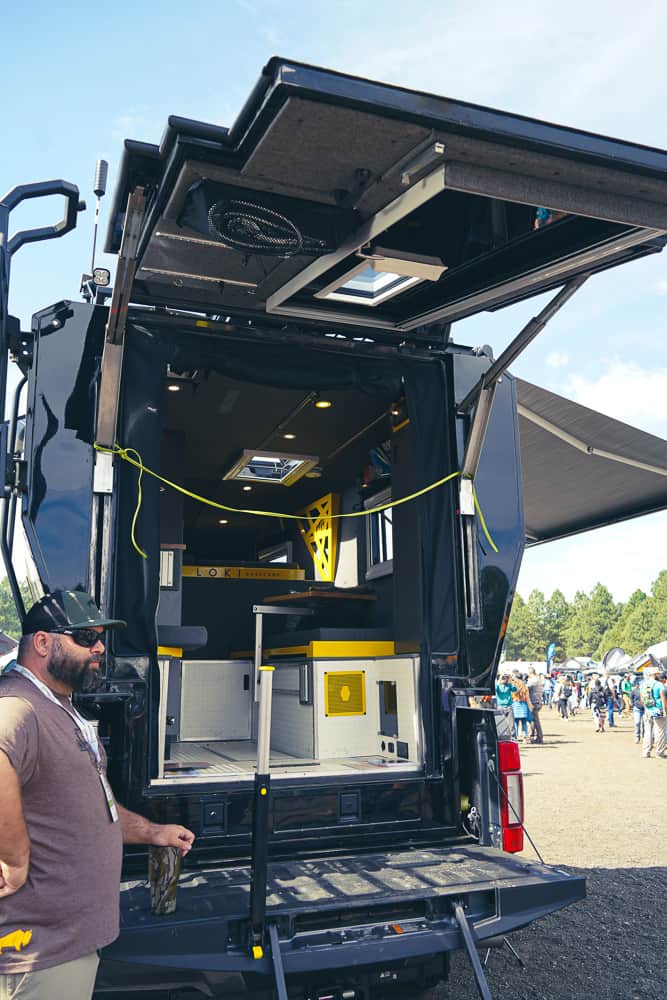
point(594, 807)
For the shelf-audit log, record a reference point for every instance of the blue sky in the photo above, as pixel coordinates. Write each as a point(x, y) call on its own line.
point(76, 83)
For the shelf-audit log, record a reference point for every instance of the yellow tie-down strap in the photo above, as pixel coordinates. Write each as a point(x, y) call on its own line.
point(126, 455)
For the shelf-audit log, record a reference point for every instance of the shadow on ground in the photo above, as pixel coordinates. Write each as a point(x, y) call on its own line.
point(610, 946)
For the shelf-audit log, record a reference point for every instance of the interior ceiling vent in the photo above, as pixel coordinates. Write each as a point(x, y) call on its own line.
point(345, 693)
point(275, 467)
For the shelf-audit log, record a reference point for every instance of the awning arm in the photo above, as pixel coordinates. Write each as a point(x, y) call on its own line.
point(588, 449)
point(522, 340)
point(483, 391)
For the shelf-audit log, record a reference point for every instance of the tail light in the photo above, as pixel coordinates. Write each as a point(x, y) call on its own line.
point(511, 806)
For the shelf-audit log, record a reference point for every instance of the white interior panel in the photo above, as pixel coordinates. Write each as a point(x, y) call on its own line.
point(215, 704)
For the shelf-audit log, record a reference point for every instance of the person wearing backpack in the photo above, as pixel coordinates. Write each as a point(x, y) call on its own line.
point(654, 697)
point(638, 710)
point(598, 702)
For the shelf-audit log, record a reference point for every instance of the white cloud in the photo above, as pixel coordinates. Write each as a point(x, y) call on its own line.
point(625, 391)
point(557, 359)
point(661, 287)
point(625, 557)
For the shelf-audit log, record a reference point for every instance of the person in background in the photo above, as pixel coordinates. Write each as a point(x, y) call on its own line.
point(562, 692)
point(610, 691)
point(520, 708)
point(536, 700)
point(573, 700)
point(654, 696)
point(547, 689)
point(637, 706)
point(626, 693)
point(597, 697)
point(504, 692)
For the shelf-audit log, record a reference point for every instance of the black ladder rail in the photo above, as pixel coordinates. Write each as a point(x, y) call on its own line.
point(261, 820)
point(467, 933)
point(277, 959)
point(8, 247)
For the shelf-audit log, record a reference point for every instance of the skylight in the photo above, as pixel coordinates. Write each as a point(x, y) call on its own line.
point(370, 287)
point(380, 275)
point(271, 467)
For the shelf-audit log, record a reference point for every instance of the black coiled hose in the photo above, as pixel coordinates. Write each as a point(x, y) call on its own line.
point(255, 229)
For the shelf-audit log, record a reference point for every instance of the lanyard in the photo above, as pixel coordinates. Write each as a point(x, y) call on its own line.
point(86, 729)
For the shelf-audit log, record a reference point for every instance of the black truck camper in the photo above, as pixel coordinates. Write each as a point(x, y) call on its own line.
point(266, 452)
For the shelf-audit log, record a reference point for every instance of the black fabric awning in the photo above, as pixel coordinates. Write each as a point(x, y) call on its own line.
point(582, 469)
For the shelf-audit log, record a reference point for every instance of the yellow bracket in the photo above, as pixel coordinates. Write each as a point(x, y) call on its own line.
point(257, 951)
point(321, 534)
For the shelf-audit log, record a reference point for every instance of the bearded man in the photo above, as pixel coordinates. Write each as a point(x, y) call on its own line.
point(61, 830)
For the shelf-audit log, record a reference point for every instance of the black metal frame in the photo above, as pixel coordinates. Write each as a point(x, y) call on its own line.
point(8, 247)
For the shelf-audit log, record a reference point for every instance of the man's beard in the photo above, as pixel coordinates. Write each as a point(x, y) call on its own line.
point(80, 676)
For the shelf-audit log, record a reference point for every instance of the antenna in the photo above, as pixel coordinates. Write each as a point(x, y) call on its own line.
point(99, 277)
point(99, 189)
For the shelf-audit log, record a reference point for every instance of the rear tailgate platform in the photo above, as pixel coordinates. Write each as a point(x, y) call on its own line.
point(331, 912)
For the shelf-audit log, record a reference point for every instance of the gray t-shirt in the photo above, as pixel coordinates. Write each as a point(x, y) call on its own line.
point(68, 908)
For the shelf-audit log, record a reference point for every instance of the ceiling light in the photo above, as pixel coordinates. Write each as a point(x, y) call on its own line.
point(381, 275)
point(279, 468)
point(223, 520)
point(289, 437)
point(246, 489)
point(323, 404)
point(174, 388)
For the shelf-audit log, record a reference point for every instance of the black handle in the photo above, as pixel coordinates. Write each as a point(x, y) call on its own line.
point(43, 189)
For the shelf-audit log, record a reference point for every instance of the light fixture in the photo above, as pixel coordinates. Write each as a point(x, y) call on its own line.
point(289, 437)
point(101, 276)
point(280, 468)
point(174, 388)
point(246, 489)
point(323, 404)
point(381, 274)
point(223, 520)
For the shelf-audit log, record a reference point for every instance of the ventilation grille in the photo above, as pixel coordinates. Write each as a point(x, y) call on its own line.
point(345, 693)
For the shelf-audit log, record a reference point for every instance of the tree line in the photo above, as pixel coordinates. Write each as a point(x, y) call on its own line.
point(588, 626)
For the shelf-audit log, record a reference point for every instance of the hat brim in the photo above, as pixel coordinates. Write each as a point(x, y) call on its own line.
point(103, 623)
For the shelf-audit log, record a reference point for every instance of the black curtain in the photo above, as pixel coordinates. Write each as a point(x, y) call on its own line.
point(429, 407)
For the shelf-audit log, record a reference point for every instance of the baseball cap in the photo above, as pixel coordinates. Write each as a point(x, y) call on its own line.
point(66, 609)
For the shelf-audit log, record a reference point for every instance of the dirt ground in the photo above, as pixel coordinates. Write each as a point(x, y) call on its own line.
point(595, 807)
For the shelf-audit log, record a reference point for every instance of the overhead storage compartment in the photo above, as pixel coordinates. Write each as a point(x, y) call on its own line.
point(337, 201)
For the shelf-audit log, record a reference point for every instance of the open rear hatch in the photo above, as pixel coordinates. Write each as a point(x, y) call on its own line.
point(338, 201)
point(329, 911)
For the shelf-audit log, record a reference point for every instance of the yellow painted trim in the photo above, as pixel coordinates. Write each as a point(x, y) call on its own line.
point(320, 534)
point(271, 669)
point(322, 648)
point(175, 651)
point(401, 425)
point(243, 573)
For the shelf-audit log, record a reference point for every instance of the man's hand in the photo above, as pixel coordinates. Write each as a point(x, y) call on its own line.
point(173, 835)
point(12, 877)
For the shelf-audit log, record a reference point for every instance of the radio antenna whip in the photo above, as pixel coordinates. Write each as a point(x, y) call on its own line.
point(99, 189)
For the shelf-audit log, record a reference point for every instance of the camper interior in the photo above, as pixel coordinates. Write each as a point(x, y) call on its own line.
point(346, 683)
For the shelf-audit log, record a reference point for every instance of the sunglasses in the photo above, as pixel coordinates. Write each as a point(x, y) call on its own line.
point(86, 637)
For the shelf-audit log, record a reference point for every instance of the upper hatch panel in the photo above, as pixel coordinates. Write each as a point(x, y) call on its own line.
point(334, 200)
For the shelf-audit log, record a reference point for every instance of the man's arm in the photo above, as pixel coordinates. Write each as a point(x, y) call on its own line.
point(139, 830)
point(14, 840)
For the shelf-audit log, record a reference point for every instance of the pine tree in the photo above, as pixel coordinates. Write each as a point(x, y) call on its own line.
point(556, 618)
point(526, 632)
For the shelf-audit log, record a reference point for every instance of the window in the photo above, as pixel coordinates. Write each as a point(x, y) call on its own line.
point(379, 537)
point(281, 553)
point(271, 467)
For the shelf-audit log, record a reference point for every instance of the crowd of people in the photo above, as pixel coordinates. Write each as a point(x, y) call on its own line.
point(641, 697)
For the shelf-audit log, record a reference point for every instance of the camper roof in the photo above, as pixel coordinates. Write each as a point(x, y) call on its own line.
point(336, 201)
